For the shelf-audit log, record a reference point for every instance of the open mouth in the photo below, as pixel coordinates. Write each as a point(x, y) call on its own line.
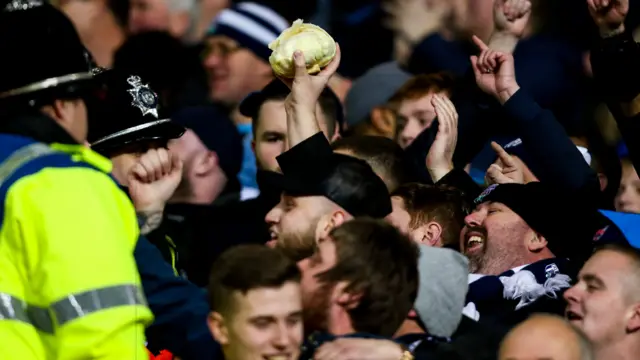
point(474, 243)
point(277, 357)
point(572, 316)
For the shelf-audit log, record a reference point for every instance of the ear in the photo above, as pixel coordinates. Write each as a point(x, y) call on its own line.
point(330, 222)
point(383, 122)
point(633, 324)
point(536, 243)
point(346, 299)
point(218, 328)
point(205, 163)
point(432, 234)
point(59, 111)
point(604, 181)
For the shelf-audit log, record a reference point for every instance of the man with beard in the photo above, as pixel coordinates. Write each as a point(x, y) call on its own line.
point(524, 244)
point(360, 282)
point(605, 302)
point(310, 208)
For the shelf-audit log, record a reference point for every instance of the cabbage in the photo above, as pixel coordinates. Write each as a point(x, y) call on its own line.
point(317, 45)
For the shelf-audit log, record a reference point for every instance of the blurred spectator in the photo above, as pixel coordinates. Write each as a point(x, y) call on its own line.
point(384, 156)
point(172, 16)
point(412, 103)
point(172, 69)
point(365, 104)
point(236, 59)
point(266, 110)
point(628, 197)
point(546, 337)
point(430, 215)
point(101, 25)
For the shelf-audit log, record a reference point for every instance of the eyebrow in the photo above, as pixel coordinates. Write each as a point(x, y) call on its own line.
point(593, 279)
point(274, 132)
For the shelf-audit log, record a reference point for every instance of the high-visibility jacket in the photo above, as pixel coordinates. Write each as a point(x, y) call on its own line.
point(69, 286)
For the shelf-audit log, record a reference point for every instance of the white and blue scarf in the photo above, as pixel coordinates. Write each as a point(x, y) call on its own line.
point(509, 297)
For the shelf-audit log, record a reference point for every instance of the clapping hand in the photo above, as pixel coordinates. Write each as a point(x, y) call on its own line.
point(440, 157)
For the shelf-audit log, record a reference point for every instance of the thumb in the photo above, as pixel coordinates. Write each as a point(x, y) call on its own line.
point(300, 64)
point(494, 172)
point(176, 163)
point(474, 66)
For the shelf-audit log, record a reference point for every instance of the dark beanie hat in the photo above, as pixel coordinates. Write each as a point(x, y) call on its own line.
point(567, 222)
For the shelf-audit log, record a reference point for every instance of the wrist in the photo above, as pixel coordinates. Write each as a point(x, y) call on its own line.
point(414, 38)
point(505, 95)
point(607, 32)
point(437, 173)
point(503, 41)
point(299, 109)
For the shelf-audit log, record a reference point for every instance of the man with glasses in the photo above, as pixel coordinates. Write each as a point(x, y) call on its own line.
point(236, 60)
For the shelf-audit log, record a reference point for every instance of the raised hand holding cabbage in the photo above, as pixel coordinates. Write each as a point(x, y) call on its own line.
point(317, 46)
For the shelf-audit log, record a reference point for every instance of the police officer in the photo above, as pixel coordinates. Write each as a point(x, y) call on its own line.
point(132, 130)
point(69, 286)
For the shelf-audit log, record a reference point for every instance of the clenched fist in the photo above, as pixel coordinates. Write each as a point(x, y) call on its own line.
point(154, 179)
point(609, 15)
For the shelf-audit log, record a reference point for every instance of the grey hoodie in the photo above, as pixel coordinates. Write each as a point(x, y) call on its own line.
point(442, 290)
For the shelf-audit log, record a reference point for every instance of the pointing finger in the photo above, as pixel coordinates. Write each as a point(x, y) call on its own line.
point(503, 155)
point(479, 43)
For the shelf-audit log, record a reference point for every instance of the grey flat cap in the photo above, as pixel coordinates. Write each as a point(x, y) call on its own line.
point(372, 89)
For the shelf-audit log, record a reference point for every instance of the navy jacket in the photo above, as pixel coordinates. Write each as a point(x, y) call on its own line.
point(180, 308)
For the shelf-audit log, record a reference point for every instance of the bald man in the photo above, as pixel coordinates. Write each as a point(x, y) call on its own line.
point(545, 337)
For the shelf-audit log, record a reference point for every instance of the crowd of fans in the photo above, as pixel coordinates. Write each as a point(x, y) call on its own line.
point(458, 182)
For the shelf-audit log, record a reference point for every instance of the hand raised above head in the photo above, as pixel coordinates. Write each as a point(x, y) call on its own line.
point(306, 88)
point(505, 170)
point(494, 71)
point(609, 15)
point(511, 16)
point(439, 159)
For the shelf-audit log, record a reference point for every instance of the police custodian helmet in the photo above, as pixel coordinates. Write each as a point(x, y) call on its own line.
point(130, 114)
point(42, 57)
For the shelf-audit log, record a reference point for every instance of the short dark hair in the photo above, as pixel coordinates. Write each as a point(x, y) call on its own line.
point(248, 267)
point(329, 105)
point(384, 156)
point(381, 264)
point(444, 205)
point(630, 252)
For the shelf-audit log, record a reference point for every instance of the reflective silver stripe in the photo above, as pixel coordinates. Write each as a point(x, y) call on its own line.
point(130, 130)
point(21, 157)
point(12, 308)
point(70, 308)
point(82, 304)
point(48, 83)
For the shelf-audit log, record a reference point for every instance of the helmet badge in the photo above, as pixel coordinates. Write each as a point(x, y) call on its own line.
point(17, 5)
point(143, 97)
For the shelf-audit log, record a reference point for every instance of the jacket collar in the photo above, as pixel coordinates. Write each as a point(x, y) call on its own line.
point(38, 127)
